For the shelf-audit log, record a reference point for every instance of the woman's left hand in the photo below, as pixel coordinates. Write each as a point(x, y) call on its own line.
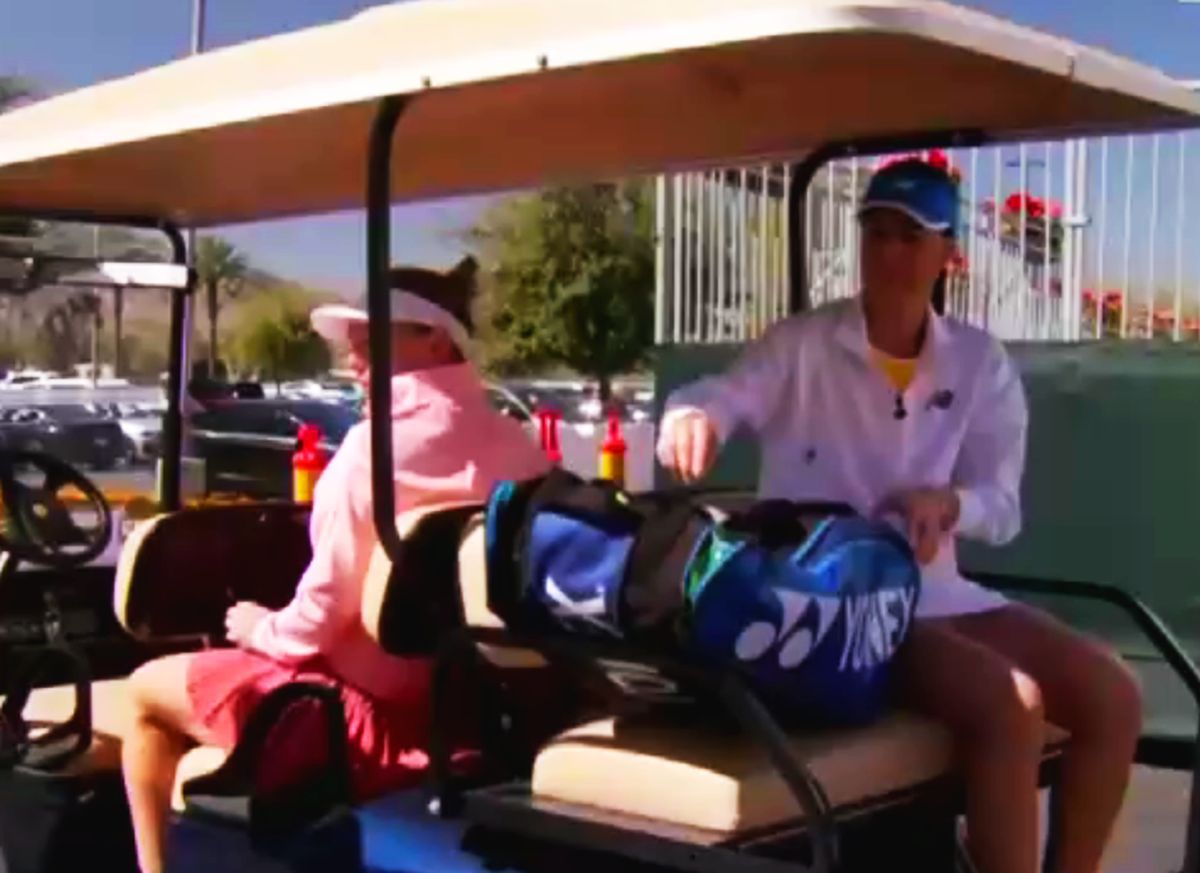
point(930, 515)
point(241, 619)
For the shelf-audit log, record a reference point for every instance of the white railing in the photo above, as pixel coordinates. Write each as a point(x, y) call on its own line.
point(1062, 241)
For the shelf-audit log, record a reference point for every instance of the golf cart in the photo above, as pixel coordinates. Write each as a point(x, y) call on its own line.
point(423, 100)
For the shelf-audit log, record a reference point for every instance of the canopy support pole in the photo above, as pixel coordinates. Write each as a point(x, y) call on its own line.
point(806, 170)
point(379, 312)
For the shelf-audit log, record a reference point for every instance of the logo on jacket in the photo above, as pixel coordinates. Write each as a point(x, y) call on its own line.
point(942, 400)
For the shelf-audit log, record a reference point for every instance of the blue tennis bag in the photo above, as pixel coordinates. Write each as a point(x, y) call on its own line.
point(814, 620)
point(811, 613)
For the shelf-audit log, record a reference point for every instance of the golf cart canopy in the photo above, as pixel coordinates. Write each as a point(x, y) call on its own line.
point(514, 93)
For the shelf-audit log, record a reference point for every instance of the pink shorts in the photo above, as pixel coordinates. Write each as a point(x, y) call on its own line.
point(387, 739)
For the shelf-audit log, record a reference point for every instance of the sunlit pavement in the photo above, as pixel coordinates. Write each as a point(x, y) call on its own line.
point(1150, 834)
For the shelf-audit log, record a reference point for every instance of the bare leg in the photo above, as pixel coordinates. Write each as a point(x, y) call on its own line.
point(1093, 695)
point(160, 730)
point(995, 713)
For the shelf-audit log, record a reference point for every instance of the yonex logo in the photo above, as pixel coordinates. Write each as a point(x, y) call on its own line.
point(874, 626)
point(796, 641)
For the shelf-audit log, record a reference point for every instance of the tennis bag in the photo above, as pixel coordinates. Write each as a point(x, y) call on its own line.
point(812, 614)
point(814, 617)
point(585, 558)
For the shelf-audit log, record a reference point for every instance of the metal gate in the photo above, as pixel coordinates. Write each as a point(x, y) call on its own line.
point(1061, 241)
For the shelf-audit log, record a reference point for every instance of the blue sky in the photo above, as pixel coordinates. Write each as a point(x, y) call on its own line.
point(63, 44)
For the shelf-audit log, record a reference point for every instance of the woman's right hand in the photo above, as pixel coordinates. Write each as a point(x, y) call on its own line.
point(689, 447)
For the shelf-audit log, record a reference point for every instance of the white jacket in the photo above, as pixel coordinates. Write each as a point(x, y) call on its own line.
point(825, 419)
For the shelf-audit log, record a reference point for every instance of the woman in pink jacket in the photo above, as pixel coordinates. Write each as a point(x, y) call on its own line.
point(448, 445)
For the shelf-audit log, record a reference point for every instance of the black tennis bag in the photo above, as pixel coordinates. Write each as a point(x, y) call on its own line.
point(57, 815)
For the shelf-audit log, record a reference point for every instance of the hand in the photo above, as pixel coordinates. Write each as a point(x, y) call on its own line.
point(691, 446)
point(930, 515)
point(241, 620)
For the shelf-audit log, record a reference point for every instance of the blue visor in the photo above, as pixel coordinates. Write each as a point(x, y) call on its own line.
point(924, 193)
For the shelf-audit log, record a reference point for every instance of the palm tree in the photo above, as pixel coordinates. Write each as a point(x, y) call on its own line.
point(12, 91)
point(220, 267)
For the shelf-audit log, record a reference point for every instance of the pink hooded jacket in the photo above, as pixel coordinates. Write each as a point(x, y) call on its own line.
point(449, 445)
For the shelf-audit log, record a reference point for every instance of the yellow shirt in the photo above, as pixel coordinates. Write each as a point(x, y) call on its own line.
point(899, 371)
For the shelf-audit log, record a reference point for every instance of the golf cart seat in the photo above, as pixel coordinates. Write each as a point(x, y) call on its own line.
point(431, 537)
point(55, 705)
point(176, 576)
point(682, 774)
point(219, 825)
point(725, 784)
point(181, 571)
point(647, 769)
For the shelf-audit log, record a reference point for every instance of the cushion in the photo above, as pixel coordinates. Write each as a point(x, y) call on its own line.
point(724, 783)
point(441, 584)
point(110, 715)
point(178, 573)
point(199, 761)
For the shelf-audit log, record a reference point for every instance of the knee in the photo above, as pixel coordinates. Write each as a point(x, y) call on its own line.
point(1015, 716)
point(1111, 700)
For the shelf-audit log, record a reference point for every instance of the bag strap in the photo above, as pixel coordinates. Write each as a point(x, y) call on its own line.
point(230, 792)
point(61, 743)
point(664, 547)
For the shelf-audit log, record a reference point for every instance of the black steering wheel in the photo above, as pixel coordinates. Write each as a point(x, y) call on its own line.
point(36, 522)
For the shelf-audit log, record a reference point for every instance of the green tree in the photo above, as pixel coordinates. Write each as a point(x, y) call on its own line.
point(13, 91)
point(570, 280)
point(69, 331)
point(220, 271)
point(271, 336)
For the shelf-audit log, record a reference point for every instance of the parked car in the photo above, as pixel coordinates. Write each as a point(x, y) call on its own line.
point(69, 431)
point(247, 445)
point(141, 426)
point(508, 403)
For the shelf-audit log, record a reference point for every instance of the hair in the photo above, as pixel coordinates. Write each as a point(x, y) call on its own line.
point(454, 290)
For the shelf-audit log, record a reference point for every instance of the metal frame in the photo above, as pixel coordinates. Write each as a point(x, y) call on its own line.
point(379, 312)
point(805, 171)
point(731, 690)
point(172, 446)
point(724, 687)
point(1175, 753)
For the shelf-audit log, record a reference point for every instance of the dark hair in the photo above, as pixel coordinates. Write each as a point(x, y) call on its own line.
point(453, 290)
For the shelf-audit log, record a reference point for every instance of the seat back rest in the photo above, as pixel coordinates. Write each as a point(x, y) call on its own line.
point(409, 607)
point(179, 573)
point(440, 586)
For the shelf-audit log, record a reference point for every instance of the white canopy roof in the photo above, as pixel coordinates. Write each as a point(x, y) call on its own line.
point(511, 93)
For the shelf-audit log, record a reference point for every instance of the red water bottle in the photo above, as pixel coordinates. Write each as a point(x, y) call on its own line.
point(307, 463)
point(548, 434)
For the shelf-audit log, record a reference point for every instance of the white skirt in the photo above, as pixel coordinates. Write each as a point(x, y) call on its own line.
point(944, 592)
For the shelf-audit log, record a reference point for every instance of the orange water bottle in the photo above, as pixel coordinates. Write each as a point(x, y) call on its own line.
point(307, 463)
point(612, 453)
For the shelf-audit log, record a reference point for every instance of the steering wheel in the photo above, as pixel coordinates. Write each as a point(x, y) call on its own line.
point(36, 522)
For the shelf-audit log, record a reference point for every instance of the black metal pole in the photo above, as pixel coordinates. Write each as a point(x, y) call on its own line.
point(379, 311)
point(172, 447)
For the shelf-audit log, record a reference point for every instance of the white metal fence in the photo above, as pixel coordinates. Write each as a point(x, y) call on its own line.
point(1061, 241)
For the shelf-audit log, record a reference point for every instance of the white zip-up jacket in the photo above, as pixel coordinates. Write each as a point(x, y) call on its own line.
point(825, 418)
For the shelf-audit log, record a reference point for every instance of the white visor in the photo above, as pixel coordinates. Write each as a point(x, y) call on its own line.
point(332, 321)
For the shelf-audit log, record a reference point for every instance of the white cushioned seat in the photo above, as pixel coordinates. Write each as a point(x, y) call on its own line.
point(199, 761)
point(724, 783)
point(110, 715)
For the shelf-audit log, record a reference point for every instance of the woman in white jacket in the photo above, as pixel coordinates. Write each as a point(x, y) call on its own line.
point(881, 403)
